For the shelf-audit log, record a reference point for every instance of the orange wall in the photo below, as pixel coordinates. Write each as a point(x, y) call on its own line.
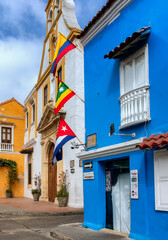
point(13, 112)
point(18, 187)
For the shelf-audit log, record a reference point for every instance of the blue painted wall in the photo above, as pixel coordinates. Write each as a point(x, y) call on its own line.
point(102, 91)
point(102, 83)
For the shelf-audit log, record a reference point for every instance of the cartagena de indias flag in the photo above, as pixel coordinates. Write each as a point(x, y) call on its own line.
point(63, 95)
point(64, 134)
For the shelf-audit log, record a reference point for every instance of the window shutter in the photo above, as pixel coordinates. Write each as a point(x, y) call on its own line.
point(161, 180)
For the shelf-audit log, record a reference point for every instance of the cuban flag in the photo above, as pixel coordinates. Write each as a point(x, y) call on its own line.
point(64, 134)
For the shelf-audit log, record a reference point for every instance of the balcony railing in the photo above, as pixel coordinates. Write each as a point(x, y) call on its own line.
point(6, 147)
point(134, 106)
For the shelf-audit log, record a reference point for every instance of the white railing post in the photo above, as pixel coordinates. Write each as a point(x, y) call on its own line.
point(126, 112)
point(134, 106)
point(129, 109)
point(145, 103)
point(8, 147)
point(140, 104)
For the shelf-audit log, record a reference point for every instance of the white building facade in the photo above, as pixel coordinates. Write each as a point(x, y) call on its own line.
point(42, 123)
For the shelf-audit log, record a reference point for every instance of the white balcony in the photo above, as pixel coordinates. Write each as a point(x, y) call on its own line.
point(6, 147)
point(134, 106)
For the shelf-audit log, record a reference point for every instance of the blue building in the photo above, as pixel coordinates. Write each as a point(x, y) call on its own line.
point(126, 88)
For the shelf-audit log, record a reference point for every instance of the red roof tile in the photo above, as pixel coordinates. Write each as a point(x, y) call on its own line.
point(27, 150)
point(96, 18)
point(154, 141)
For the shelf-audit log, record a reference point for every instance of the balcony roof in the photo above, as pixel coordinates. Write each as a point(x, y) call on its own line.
point(27, 150)
point(130, 44)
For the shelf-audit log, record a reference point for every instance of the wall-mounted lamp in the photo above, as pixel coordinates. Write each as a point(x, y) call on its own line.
point(76, 145)
point(112, 130)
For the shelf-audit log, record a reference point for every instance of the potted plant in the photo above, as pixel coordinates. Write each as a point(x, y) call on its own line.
point(62, 194)
point(12, 176)
point(8, 193)
point(36, 192)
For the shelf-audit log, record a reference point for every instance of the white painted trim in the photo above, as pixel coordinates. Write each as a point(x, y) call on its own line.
point(158, 206)
point(9, 126)
point(11, 153)
point(129, 100)
point(30, 95)
point(26, 118)
point(5, 116)
point(106, 19)
point(134, 123)
point(111, 150)
point(30, 143)
point(33, 104)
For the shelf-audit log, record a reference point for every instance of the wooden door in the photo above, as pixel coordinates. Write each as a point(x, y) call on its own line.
point(52, 176)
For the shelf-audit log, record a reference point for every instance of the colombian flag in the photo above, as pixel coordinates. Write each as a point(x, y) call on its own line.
point(63, 95)
point(63, 47)
point(64, 134)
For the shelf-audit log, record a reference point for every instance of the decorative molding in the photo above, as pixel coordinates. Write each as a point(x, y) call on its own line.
point(5, 116)
point(105, 20)
point(29, 143)
point(134, 123)
point(119, 148)
point(6, 123)
point(11, 153)
point(44, 76)
point(30, 95)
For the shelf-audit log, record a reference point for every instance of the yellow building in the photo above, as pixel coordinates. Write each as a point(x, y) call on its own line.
point(12, 125)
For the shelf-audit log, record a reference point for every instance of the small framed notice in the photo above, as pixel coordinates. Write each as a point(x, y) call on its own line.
point(91, 140)
point(88, 175)
point(134, 184)
point(72, 164)
point(80, 163)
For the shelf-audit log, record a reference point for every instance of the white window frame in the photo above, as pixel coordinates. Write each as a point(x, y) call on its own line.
point(27, 123)
point(29, 161)
point(132, 58)
point(12, 135)
point(135, 104)
point(158, 205)
point(32, 121)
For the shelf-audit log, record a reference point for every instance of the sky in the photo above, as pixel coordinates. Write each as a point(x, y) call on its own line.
point(22, 33)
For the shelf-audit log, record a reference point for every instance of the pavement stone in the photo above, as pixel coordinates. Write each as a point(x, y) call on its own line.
point(8, 209)
point(26, 206)
point(75, 231)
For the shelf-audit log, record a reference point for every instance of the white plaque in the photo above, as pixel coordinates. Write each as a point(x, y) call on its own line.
point(134, 184)
point(88, 175)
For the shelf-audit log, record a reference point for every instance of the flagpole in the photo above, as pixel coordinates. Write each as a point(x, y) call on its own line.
point(71, 90)
point(79, 141)
point(73, 44)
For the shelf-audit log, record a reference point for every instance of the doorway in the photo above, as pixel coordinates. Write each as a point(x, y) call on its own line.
point(118, 195)
point(52, 176)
